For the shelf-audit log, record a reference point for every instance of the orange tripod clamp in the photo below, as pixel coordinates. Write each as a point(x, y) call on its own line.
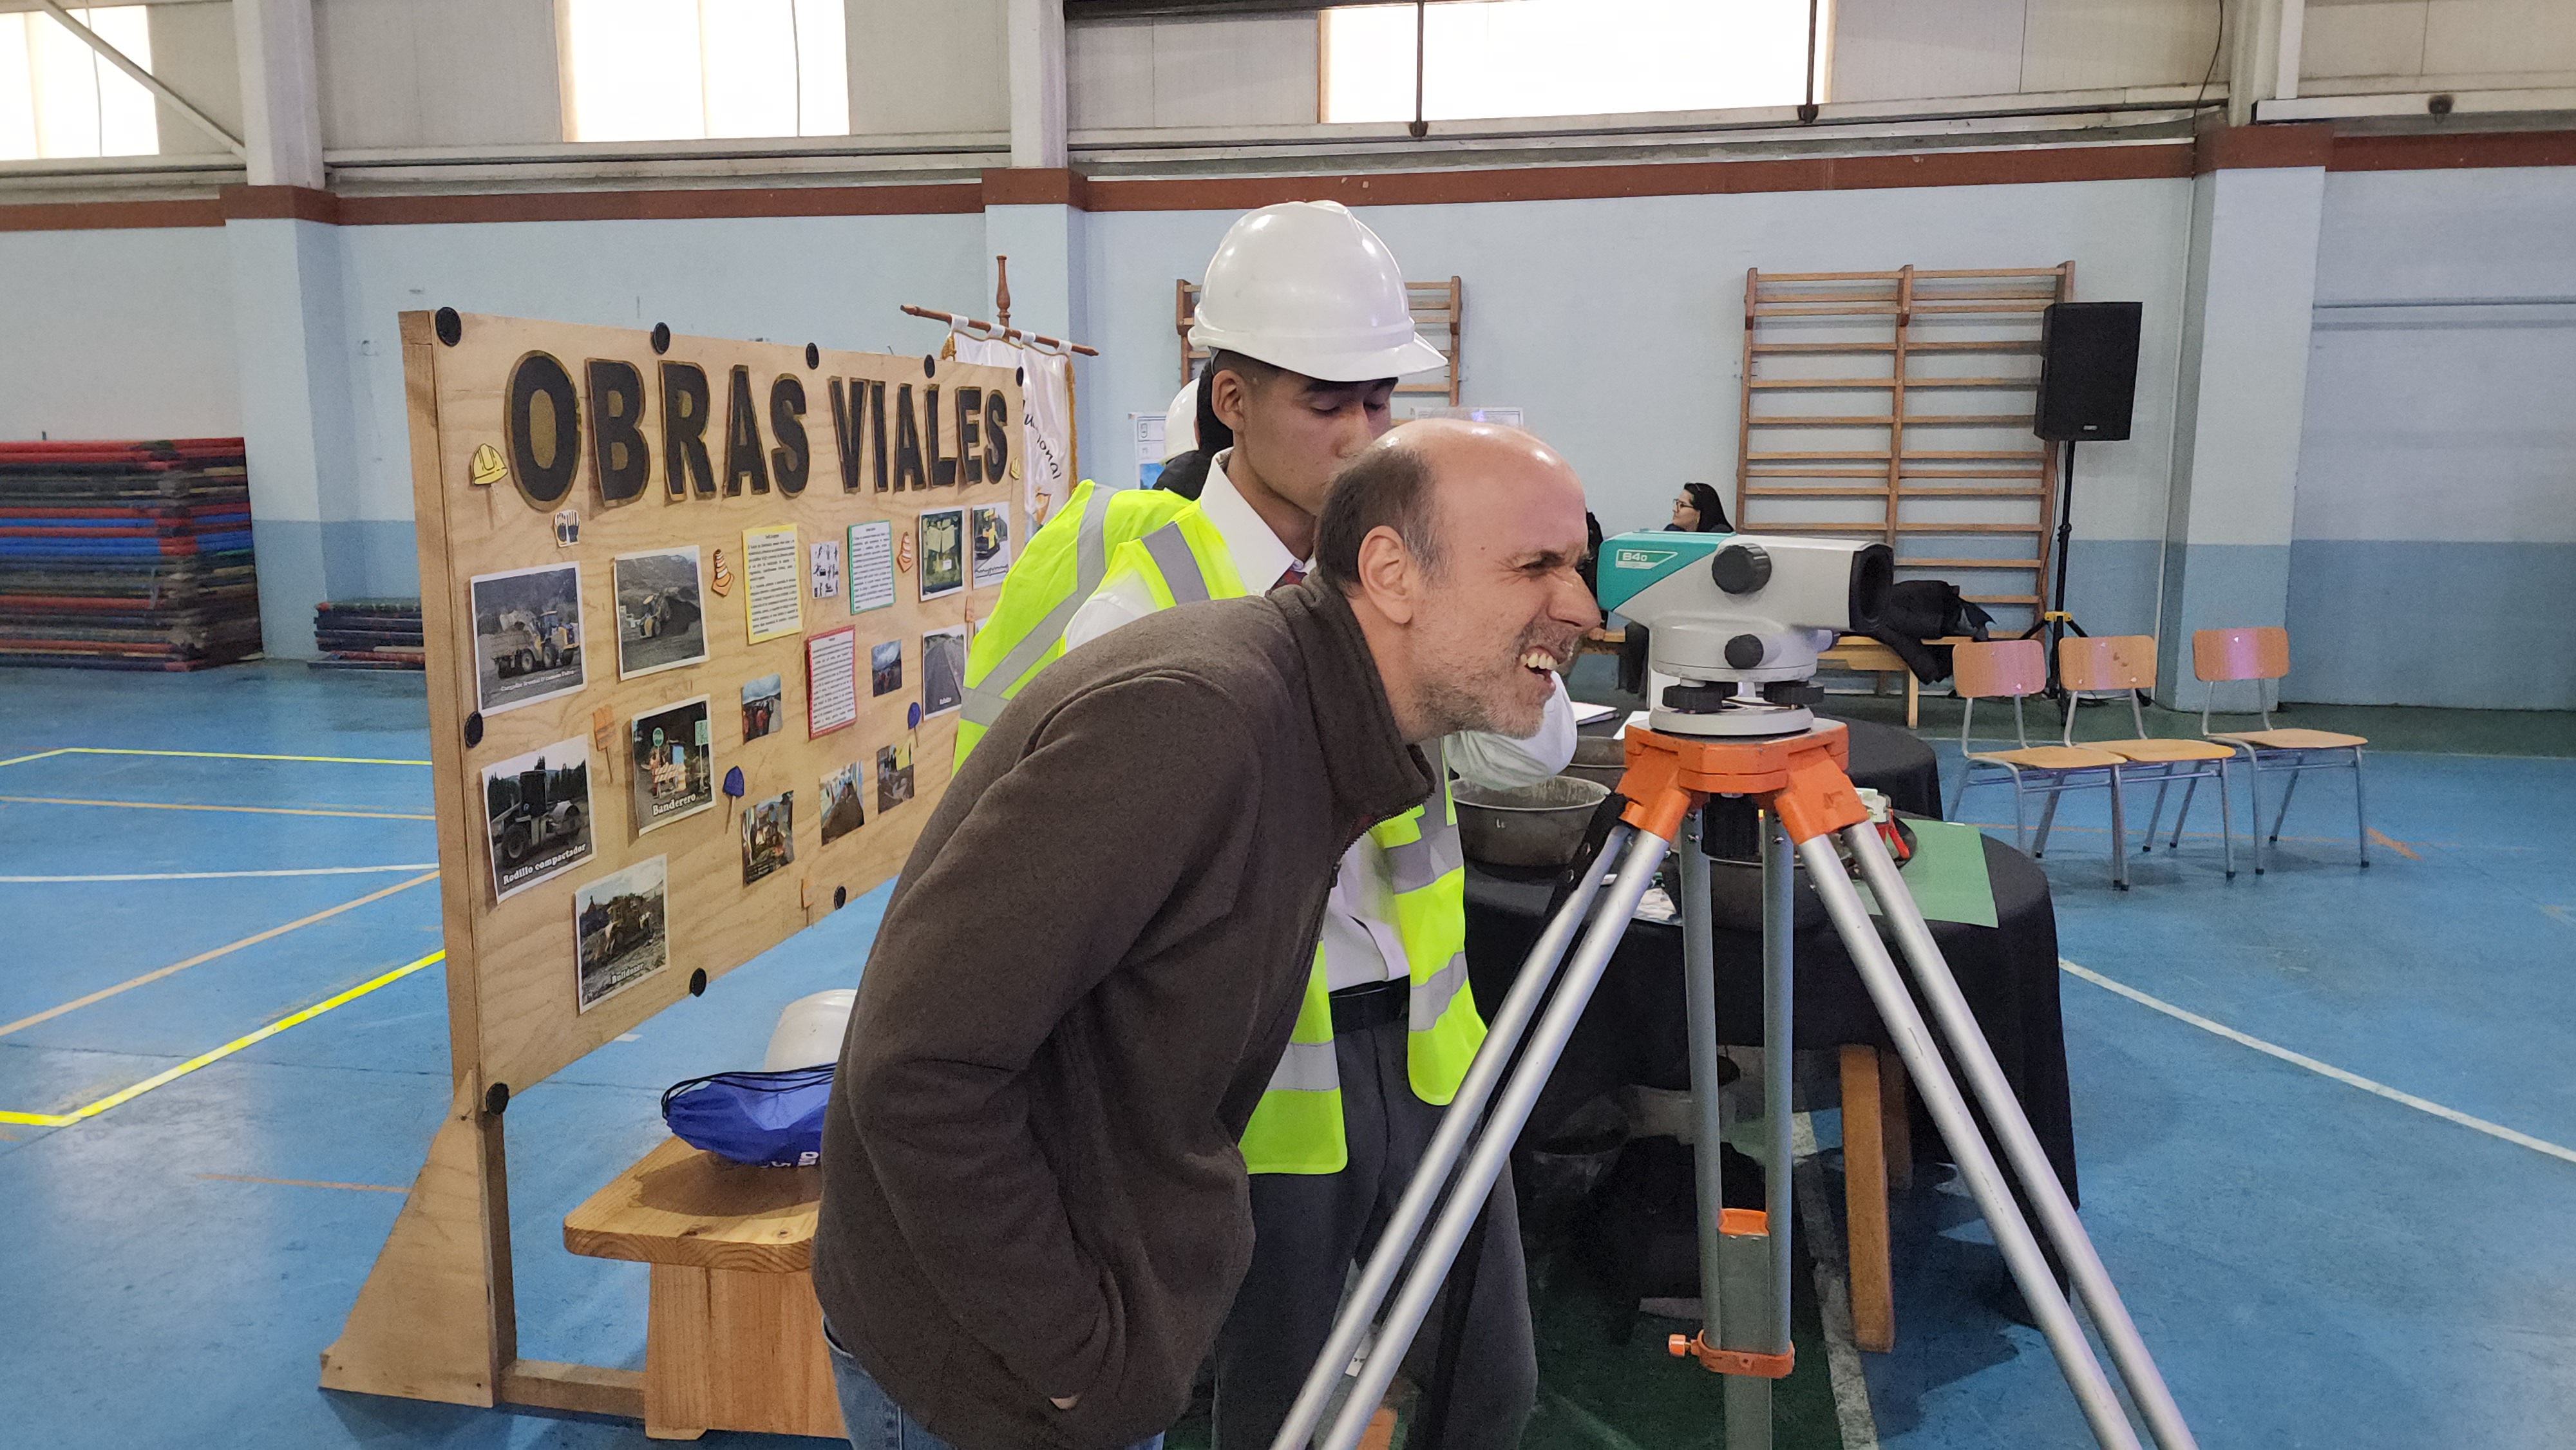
point(1750, 1222)
point(1798, 777)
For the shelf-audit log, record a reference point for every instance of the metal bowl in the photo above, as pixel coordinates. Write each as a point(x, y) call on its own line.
point(1531, 825)
point(1599, 758)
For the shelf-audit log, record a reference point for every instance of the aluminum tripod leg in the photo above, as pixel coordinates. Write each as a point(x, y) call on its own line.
point(1985, 1180)
point(1755, 1316)
point(2021, 1147)
point(1457, 1125)
point(1481, 1165)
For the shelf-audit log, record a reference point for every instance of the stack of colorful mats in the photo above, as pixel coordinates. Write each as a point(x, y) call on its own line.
point(367, 634)
point(130, 556)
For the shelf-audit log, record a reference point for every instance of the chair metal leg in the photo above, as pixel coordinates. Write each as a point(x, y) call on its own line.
point(2360, 817)
point(2254, 789)
point(2119, 837)
point(2287, 791)
point(1961, 793)
point(2226, 820)
point(2156, 816)
point(2021, 836)
point(2184, 814)
point(2047, 816)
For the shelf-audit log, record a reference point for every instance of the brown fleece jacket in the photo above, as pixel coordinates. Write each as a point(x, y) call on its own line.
point(1085, 975)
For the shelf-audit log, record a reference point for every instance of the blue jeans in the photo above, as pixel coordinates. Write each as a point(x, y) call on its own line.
point(875, 1422)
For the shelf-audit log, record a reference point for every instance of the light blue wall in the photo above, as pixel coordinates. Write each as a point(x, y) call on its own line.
point(2400, 622)
point(117, 334)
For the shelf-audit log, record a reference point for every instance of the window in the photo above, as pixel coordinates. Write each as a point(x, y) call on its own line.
point(58, 97)
point(682, 70)
point(1495, 58)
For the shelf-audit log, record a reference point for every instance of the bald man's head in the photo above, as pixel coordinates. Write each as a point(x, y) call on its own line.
point(1457, 544)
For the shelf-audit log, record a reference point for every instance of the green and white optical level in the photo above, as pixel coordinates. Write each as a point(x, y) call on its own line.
point(1738, 620)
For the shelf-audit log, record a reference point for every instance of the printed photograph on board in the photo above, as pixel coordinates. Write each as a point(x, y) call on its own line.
point(943, 669)
point(943, 552)
point(823, 569)
point(661, 613)
point(527, 636)
point(885, 668)
point(843, 812)
point(536, 810)
point(992, 544)
point(674, 774)
point(894, 774)
point(760, 701)
point(768, 835)
point(621, 929)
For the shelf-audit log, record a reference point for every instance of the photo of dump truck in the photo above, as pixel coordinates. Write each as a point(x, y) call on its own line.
point(527, 636)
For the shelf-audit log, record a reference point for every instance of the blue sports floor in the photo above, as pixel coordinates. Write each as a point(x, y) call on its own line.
point(2315, 1261)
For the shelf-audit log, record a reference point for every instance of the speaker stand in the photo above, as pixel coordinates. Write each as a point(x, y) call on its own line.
point(2054, 622)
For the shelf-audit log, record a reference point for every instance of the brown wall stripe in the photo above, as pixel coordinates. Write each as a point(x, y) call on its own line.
point(2252, 146)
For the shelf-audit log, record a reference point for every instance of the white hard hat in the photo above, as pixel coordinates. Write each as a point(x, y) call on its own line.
point(809, 1032)
point(1181, 424)
point(1306, 286)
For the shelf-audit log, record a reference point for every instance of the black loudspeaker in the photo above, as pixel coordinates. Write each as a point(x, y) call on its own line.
point(2088, 370)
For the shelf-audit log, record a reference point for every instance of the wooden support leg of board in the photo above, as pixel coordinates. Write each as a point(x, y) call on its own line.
point(425, 1325)
point(1873, 1294)
point(738, 1350)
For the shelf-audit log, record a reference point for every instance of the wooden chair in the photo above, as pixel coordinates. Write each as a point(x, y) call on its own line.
point(2016, 669)
point(2221, 655)
point(2126, 664)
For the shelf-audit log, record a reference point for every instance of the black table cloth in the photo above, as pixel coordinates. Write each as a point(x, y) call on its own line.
point(1634, 1030)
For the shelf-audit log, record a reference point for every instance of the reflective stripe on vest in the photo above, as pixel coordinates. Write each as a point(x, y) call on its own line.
point(1056, 571)
point(1183, 562)
point(1297, 1128)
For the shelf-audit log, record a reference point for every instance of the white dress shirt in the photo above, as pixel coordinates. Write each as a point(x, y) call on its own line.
point(1361, 947)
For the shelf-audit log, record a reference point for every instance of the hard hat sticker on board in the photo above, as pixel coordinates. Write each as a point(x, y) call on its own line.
point(487, 468)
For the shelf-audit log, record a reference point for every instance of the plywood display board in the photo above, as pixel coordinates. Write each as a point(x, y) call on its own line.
point(562, 475)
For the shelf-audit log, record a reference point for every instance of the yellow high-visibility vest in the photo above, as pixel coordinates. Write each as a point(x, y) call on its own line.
point(1057, 569)
point(1297, 1126)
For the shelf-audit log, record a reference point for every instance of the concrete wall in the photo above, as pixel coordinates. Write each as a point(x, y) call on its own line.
point(2435, 540)
point(117, 334)
point(1887, 50)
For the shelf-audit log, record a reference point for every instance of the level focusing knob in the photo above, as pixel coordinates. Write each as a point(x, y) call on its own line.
point(1744, 651)
point(1741, 568)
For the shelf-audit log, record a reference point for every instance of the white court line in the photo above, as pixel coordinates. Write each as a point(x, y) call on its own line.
point(220, 875)
point(2325, 1069)
point(1852, 1413)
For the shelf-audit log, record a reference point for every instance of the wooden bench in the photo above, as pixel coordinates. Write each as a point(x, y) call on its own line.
point(733, 1338)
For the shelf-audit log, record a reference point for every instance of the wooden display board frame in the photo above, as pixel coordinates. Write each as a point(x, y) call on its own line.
point(491, 479)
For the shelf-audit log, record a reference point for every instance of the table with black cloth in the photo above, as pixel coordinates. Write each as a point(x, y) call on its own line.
point(1635, 1029)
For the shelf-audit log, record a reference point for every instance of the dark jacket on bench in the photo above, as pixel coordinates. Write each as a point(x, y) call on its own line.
point(1085, 976)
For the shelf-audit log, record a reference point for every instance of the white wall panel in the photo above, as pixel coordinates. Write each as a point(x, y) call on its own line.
point(2077, 45)
point(2474, 232)
point(943, 66)
point(2475, 37)
point(192, 52)
point(2362, 38)
point(456, 73)
point(1250, 70)
point(1109, 75)
point(1886, 50)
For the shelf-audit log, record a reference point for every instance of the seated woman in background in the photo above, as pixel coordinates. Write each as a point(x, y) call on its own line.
point(1697, 511)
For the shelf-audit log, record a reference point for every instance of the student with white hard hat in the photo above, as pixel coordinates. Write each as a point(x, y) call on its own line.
point(1185, 462)
point(1305, 317)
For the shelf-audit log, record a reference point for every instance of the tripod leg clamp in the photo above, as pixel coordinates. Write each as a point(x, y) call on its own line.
point(1733, 1361)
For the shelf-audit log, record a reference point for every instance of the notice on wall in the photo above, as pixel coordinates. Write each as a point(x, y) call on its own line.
point(772, 580)
point(871, 566)
point(831, 680)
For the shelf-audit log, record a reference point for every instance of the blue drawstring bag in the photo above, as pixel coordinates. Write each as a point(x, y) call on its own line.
point(772, 1119)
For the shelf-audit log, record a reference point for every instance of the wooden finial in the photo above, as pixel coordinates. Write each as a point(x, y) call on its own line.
point(1002, 289)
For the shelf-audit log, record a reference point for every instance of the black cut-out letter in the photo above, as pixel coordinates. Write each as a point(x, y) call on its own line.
point(907, 442)
point(743, 458)
point(544, 419)
point(684, 431)
point(619, 459)
point(793, 458)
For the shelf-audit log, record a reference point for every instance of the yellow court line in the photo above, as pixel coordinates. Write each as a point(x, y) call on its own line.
point(303, 1183)
point(255, 939)
point(39, 755)
point(218, 755)
point(44, 800)
point(117, 1099)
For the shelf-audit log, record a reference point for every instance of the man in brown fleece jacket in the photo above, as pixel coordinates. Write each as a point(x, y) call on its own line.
point(1034, 1214)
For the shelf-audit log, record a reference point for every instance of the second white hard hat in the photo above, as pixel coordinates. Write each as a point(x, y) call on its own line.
point(1181, 423)
point(1306, 286)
